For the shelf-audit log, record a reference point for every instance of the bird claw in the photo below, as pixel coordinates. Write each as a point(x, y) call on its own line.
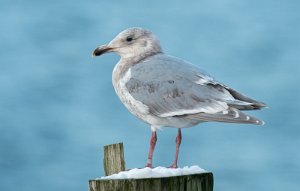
point(149, 165)
point(173, 166)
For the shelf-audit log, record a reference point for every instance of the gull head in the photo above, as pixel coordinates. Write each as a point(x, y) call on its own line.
point(135, 43)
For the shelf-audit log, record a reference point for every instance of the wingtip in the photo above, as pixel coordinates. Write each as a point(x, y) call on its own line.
point(262, 105)
point(259, 122)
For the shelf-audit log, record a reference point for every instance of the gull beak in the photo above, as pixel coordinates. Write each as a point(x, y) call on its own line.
point(102, 50)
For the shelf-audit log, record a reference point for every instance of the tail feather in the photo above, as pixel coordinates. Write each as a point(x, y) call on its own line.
point(232, 115)
point(242, 105)
point(251, 104)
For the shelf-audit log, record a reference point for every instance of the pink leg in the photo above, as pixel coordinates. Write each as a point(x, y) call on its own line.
point(178, 142)
point(151, 150)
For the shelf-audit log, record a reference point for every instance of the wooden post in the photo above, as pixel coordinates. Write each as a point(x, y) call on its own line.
point(114, 163)
point(113, 159)
point(195, 182)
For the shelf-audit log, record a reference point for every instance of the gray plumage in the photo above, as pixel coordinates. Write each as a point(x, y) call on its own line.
point(166, 91)
point(170, 87)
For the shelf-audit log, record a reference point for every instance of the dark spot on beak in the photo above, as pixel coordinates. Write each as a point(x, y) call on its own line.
point(101, 50)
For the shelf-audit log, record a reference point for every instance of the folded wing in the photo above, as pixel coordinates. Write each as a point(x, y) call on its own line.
point(170, 87)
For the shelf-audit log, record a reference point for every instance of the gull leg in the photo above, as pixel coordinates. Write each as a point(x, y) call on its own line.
point(151, 150)
point(178, 142)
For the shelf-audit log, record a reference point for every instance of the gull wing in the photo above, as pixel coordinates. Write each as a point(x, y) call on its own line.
point(171, 87)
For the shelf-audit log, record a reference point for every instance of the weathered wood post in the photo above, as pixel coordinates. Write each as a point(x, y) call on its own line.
point(113, 159)
point(114, 163)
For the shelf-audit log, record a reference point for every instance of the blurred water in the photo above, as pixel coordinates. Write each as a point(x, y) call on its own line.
point(58, 107)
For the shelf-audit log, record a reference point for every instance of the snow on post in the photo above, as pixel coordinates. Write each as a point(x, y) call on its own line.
point(148, 179)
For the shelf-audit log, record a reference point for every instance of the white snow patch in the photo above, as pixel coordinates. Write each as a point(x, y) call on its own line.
point(155, 172)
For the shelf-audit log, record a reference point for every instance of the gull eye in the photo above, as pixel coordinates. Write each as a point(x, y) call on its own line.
point(129, 39)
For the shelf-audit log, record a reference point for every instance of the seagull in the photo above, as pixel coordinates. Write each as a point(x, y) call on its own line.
point(165, 91)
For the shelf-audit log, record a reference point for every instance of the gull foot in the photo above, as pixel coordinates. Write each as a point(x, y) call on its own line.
point(173, 166)
point(149, 165)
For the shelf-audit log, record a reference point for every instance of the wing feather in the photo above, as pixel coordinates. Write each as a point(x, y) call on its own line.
point(231, 115)
point(171, 87)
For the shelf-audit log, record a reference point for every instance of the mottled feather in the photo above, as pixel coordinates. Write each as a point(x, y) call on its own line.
point(171, 87)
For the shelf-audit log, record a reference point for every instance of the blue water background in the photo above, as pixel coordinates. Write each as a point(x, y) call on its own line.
point(58, 107)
